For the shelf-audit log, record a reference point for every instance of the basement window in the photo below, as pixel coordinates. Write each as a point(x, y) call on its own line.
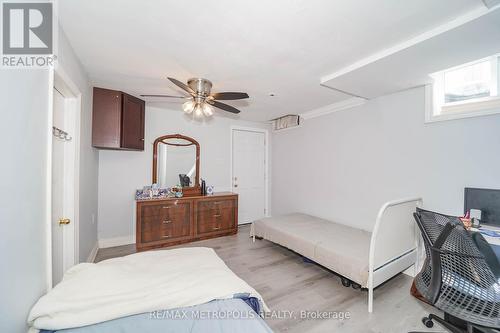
point(468, 90)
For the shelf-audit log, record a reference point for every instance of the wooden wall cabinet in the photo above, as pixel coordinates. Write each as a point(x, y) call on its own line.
point(117, 120)
point(172, 221)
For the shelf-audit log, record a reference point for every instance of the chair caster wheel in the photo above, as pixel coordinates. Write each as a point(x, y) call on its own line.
point(355, 286)
point(427, 322)
point(345, 282)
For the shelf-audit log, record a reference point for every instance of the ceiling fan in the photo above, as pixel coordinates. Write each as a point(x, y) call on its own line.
point(201, 100)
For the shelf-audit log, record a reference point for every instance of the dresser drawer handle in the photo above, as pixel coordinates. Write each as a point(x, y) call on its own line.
point(217, 215)
point(165, 207)
point(216, 228)
point(167, 222)
point(217, 203)
point(167, 236)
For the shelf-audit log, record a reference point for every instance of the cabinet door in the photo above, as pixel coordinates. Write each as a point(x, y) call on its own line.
point(132, 123)
point(106, 118)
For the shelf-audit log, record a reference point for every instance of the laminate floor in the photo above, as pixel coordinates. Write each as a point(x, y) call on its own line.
point(290, 285)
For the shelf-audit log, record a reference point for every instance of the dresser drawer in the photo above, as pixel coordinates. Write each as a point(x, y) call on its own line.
point(170, 221)
point(163, 209)
point(215, 215)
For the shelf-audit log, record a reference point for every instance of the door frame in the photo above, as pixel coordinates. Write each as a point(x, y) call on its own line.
point(266, 168)
point(60, 80)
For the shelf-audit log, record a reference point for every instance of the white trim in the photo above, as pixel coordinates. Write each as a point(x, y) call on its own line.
point(48, 184)
point(467, 109)
point(457, 22)
point(472, 105)
point(93, 253)
point(59, 77)
point(400, 260)
point(73, 101)
point(266, 170)
point(104, 243)
point(342, 105)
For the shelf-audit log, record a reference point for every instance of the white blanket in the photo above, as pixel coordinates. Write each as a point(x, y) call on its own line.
point(138, 283)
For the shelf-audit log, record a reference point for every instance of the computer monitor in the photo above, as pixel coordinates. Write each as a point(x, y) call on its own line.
point(486, 200)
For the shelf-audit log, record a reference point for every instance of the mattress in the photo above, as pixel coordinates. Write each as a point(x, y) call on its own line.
point(338, 247)
point(218, 316)
point(135, 284)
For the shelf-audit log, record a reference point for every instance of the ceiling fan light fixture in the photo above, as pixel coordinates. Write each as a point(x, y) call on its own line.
point(198, 111)
point(201, 101)
point(188, 106)
point(207, 110)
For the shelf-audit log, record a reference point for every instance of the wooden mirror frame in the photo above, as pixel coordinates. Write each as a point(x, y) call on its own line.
point(187, 191)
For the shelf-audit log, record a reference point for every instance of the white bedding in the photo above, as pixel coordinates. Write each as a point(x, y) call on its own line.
point(138, 283)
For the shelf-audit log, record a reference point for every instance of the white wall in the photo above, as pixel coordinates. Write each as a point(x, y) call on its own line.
point(25, 131)
point(345, 165)
point(122, 172)
point(89, 157)
point(24, 107)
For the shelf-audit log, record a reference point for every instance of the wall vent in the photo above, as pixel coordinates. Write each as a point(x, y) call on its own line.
point(287, 121)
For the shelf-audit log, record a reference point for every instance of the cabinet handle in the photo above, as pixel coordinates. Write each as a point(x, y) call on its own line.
point(167, 236)
point(216, 228)
point(217, 203)
point(167, 222)
point(165, 207)
point(217, 215)
point(142, 139)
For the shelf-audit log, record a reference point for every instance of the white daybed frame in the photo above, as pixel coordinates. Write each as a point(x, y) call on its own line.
point(394, 243)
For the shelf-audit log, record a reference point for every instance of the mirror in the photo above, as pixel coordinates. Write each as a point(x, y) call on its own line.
point(176, 161)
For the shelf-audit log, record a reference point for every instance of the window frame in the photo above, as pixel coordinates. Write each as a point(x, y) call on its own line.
point(438, 110)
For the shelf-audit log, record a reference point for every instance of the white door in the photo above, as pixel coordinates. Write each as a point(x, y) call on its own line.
point(249, 174)
point(63, 231)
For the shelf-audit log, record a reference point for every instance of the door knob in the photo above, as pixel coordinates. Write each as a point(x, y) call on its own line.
point(64, 221)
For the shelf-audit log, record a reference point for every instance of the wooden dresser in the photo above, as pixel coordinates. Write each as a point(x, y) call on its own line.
point(166, 222)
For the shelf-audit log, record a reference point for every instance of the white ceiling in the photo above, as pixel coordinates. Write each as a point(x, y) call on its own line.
point(279, 46)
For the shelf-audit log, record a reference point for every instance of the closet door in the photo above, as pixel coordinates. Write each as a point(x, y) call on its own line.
point(249, 174)
point(132, 123)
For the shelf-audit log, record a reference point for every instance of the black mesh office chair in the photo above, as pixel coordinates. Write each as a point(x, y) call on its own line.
point(457, 277)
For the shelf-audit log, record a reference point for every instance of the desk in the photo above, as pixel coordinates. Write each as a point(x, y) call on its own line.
point(490, 239)
point(493, 242)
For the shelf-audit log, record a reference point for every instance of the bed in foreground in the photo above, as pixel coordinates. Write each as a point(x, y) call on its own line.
point(169, 291)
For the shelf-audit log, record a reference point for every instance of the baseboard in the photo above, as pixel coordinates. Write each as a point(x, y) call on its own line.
point(93, 253)
point(410, 271)
point(115, 241)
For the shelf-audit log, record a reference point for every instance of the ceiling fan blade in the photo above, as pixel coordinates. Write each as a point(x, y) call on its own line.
point(224, 107)
point(181, 85)
point(169, 96)
point(230, 96)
